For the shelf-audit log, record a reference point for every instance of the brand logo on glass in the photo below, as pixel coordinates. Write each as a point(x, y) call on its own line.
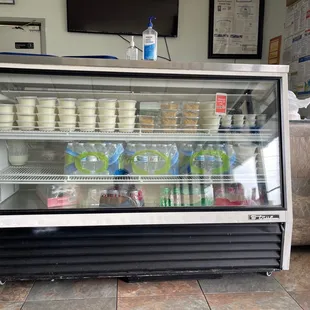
point(264, 217)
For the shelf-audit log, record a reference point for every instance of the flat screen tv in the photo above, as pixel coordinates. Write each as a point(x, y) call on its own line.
point(128, 17)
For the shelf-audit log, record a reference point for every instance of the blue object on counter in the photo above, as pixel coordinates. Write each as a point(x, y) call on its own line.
point(25, 54)
point(93, 57)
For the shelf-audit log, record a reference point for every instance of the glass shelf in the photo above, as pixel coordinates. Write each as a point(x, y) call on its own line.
point(53, 174)
point(241, 135)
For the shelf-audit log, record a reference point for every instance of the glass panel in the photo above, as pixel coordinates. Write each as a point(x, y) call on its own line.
point(159, 144)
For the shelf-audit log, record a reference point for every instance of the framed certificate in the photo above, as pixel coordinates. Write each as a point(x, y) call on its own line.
point(236, 29)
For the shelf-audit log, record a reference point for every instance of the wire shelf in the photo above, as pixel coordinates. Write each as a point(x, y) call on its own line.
point(240, 135)
point(42, 174)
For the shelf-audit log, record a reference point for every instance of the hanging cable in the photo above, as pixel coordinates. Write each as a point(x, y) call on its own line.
point(141, 49)
point(168, 52)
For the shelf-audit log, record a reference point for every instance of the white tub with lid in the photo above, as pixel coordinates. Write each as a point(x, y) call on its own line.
point(27, 100)
point(67, 102)
point(6, 108)
point(47, 102)
point(107, 103)
point(5, 118)
point(87, 103)
point(127, 104)
point(25, 109)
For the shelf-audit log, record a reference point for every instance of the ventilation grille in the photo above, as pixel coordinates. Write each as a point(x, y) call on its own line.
point(131, 251)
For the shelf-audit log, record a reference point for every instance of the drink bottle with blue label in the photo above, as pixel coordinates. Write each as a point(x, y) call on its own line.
point(150, 42)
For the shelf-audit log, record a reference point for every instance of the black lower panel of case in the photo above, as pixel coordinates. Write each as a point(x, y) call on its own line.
point(138, 251)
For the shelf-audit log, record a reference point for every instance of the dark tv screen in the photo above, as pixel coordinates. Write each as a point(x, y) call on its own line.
point(122, 16)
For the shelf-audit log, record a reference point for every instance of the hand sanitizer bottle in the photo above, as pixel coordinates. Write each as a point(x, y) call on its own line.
point(150, 42)
point(132, 52)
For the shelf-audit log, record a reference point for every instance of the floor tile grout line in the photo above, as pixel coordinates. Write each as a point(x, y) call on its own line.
point(295, 300)
point(288, 292)
point(203, 293)
point(21, 308)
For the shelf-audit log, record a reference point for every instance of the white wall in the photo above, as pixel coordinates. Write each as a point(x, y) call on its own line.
point(191, 45)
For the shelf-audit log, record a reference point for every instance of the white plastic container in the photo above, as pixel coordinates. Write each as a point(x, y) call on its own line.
point(250, 123)
point(47, 102)
point(238, 117)
point(238, 123)
point(87, 111)
point(127, 112)
point(26, 117)
point(6, 108)
point(66, 111)
point(107, 103)
point(67, 118)
point(250, 117)
point(24, 125)
point(6, 118)
point(106, 112)
point(87, 119)
point(109, 127)
point(17, 152)
point(126, 120)
point(87, 103)
point(213, 120)
point(25, 109)
point(6, 126)
point(46, 117)
point(67, 102)
point(126, 127)
point(127, 104)
point(27, 100)
point(207, 112)
point(87, 126)
point(107, 119)
point(226, 118)
point(45, 110)
point(46, 126)
point(64, 126)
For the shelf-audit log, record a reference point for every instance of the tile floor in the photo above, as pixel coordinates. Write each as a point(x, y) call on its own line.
point(285, 290)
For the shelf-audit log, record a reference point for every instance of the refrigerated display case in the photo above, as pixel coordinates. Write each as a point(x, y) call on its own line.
point(142, 169)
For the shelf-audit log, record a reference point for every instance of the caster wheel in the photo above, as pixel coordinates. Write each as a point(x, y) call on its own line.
point(2, 283)
point(269, 273)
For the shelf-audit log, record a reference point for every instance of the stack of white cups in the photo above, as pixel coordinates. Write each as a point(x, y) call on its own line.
point(87, 114)
point(67, 114)
point(107, 114)
point(46, 114)
point(25, 112)
point(127, 115)
point(7, 116)
point(207, 117)
point(238, 121)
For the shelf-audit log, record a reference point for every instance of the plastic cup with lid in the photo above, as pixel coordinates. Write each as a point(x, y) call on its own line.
point(67, 118)
point(106, 112)
point(126, 127)
point(88, 119)
point(66, 111)
point(107, 119)
point(127, 112)
point(26, 117)
point(87, 103)
point(27, 100)
point(67, 126)
point(45, 110)
point(24, 125)
point(25, 109)
point(46, 117)
point(87, 111)
point(5, 118)
point(127, 104)
point(124, 120)
point(47, 102)
point(87, 126)
point(6, 126)
point(46, 126)
point(6, 108)
point(107, 103)
point(67, 102)
point(109, 127)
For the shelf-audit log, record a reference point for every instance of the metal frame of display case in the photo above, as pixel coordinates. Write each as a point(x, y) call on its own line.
point(281, 216)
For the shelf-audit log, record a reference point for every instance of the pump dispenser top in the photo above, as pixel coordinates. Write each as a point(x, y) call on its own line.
point(149, 37)
point(132, 52)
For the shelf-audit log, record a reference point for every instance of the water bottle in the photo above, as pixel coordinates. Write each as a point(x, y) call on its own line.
point(142, 160)
point(232, 157)
point(153, 160)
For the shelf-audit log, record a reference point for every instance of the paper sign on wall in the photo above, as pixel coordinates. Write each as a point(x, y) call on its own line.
point(220, 103)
